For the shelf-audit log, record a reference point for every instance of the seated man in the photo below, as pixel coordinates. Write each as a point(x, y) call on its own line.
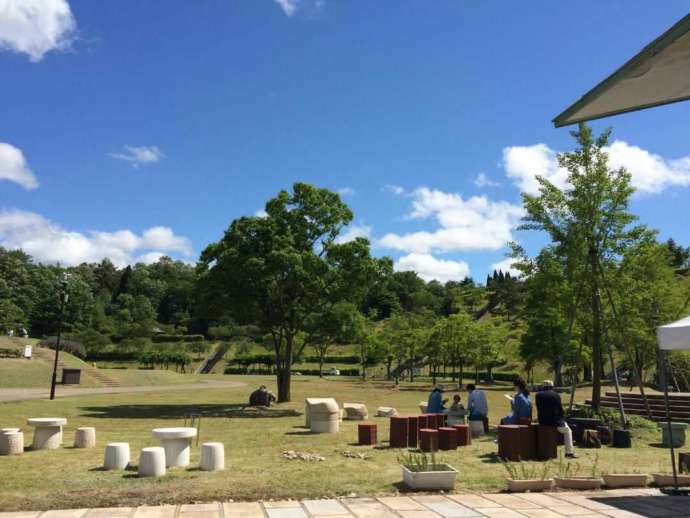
point(550, 413)
point(261, 397)
point(436, 403)
point(476, 403)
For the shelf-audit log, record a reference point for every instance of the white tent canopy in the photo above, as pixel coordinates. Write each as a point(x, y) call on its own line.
point(675, 335)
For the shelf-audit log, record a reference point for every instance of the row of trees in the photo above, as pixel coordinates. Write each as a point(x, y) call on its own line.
point(593, 294)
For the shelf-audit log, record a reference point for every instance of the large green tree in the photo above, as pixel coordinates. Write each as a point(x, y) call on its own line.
point(276, 271)
point(589, 223)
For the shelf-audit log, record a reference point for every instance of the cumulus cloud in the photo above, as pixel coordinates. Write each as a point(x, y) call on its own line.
point(651, 173)
point(261, 213)
point(291, 7)
point(13, 167)
point(139, 155)
point(48, 242)
point(429, 268)
point(36, 27)
point(476, 223)
point(395, 189)
point(506, 266)
point(482, 180)
point(352, 232)
point(346, 191)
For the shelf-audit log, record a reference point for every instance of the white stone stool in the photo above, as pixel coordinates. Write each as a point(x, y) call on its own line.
point(116, 455)
point(177, 443)
point(355, 411)
point(152, 462)
point(212, 456)
point(386, 411)
point(477, 428)
point(47, 433)
point(85, 437)
point(11, 441)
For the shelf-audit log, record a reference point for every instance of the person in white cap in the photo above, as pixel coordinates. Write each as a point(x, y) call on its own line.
point(550, 413)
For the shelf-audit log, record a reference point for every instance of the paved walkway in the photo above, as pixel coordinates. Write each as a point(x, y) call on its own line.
point(20, 394)
point(613, 504)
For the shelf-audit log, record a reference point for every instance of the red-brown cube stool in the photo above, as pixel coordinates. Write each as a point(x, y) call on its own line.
point(464, 434)
point(509, 442)
point(366, 434)
point(447, 438)
point(547, 442)
point(412, 431)
point(398, 432)
point(422, 422)
point(428, 439)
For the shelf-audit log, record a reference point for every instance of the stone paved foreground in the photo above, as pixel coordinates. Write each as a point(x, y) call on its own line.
point(614, 504)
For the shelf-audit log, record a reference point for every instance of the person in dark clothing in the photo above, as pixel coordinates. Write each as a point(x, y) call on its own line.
point(550, 413)
point(261, 397)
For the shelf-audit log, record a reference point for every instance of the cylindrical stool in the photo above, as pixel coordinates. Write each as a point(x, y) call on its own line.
point(212, 456)
point(85, 437)
point(152, 462)
point(477, 428)
point(116, 455)
point(398, 432)
point(621, 439)
point(366, 434)
point(412, 431)
point(447, 438)
point(428, 439)
point(11, 442)
point(464, 435)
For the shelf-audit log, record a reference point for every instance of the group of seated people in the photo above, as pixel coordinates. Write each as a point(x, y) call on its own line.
point(549, 408)
point(261, 397)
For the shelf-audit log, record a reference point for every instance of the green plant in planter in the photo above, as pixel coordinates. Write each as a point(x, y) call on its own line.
point(526, 471)
point(570, 469)
point(418, 461)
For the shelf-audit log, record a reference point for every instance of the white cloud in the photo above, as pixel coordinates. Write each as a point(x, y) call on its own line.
point(35, 27)
point(429, 268)
point(139, 155)
point(311, 7)
point(150, 257)
point(48, 242)
point(261, 213)
point(346, 191)
point(353, 232)
point(651, 173)
point(482, 180)
point(473, 224)
point(506, 266)
point(395, 189)
point(13, 167)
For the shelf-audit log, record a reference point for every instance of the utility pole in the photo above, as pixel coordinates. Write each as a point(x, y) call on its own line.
point(63, 301)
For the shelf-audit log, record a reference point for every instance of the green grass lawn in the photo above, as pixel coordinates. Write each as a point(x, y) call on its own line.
point(254, 441)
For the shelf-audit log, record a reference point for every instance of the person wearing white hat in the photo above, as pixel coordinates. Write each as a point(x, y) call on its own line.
point(550, 413)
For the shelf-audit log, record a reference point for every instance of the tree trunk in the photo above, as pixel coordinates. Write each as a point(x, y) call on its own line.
point(461, 364)
point(321, 360)
point(389, 362)
point(558, 372)
point(284, 379)
point(596, 330)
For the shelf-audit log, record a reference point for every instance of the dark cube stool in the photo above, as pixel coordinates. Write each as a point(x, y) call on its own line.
point(428, 439)
point(684, 462)
point(432, 421)
point(621, 439)
point(442, 419)
point(366, 434)
point(412, 431)
point(398, 432)
point(604, 435)
point(590, 439)
point(513, 442)
point(464, 434)
point(422, 422)
point(546, 442)
point(447, 438)
point(580, 424)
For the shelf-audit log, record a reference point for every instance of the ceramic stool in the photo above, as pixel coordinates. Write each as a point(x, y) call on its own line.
point(212, 456)
point(152, 462)
point(116, 455)
point(85, 437)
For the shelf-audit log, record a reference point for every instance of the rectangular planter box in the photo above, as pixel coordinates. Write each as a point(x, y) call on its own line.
point(616, 480)
point(665, 480)
point(520, 486)
point(578, 482)
point(430, 480)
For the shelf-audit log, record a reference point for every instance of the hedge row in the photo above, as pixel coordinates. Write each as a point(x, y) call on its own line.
point(304, 372)
point(269, 359)
point(348, 360)
point(177, 338)
point(164, 358)
point(10, 353)
point(69, 346)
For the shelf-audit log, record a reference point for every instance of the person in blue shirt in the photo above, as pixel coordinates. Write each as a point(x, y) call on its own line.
point(521, 406)
point(436, 403)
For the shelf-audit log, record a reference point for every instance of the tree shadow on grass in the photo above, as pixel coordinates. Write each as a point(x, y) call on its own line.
point(490, 458)
point(180, 411)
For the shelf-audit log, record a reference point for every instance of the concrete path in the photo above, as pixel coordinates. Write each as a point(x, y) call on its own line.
point(613, 504)
point(20, 394)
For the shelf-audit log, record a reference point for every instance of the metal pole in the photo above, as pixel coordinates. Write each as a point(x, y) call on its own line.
point(662, 375)
point(63, 301)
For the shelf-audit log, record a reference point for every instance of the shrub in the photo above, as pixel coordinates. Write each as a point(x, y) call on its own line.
point(10, 353)
point(69, 346)
point(177, 338)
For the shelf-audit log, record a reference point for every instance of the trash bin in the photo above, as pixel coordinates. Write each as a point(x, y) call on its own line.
point(71, 376)
point(678, 434)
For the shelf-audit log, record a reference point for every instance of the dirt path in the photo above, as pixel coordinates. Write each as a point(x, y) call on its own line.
point(20, 394)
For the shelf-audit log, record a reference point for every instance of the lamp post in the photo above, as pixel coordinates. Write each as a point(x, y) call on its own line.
point(63, 301)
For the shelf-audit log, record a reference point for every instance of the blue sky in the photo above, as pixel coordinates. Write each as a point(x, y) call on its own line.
point(132, 129)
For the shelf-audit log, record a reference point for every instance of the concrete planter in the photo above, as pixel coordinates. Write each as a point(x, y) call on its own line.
point(521, 486)
point(578, 482)
point(666, 479)
point(615, 480)
point(430, 480)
